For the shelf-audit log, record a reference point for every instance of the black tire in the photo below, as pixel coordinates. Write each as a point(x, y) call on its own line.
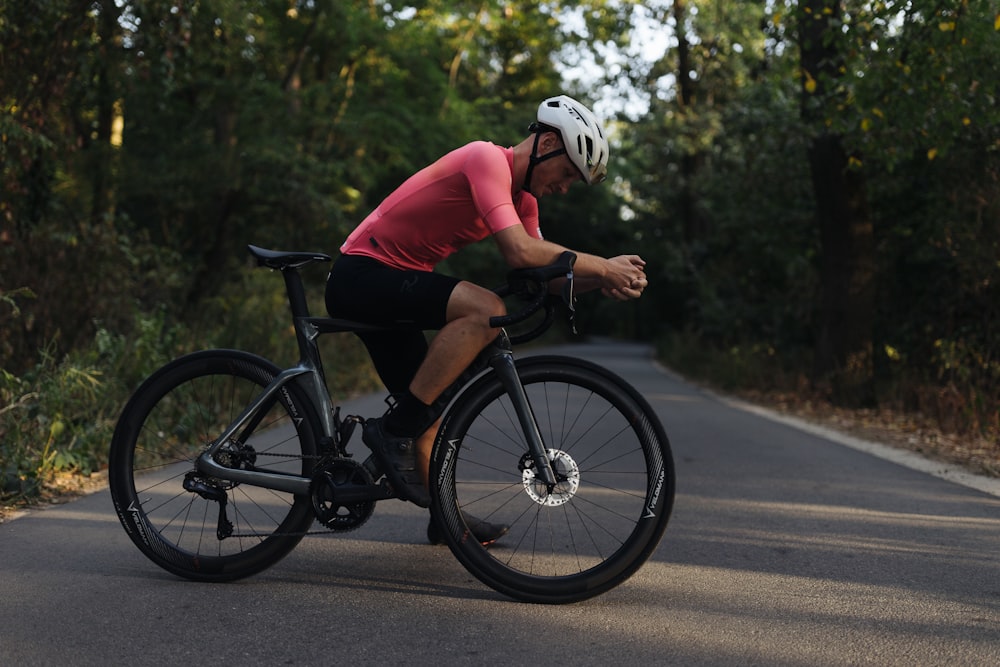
point(574, 543)
point(166, 424)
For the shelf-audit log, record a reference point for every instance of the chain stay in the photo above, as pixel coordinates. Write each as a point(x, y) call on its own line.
point(306, 533)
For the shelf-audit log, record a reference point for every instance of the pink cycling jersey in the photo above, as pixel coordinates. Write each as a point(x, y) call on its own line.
point(462, 198)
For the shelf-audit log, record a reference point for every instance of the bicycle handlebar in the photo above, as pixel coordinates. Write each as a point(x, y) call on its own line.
point(531, 284)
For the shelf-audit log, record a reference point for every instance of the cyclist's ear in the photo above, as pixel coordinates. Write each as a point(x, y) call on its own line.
point(550, 141)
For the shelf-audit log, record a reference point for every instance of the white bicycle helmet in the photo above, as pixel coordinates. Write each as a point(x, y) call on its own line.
point(582, 135)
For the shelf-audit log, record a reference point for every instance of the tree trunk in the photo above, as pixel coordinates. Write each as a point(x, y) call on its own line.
point(692, 161)
point(101, 149)
point(843, 352)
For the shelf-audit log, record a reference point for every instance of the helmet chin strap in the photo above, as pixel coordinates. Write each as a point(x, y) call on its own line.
point(536, 159)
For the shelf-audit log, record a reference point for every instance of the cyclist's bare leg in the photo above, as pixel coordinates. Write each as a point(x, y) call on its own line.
point(425, 443)
point(451, 351)
point(458, 343)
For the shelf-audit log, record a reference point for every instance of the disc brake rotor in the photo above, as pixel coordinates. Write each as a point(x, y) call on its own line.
point(567, 480)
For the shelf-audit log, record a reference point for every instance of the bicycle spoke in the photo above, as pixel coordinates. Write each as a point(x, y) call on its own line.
point(595, 525)
point(192, 524)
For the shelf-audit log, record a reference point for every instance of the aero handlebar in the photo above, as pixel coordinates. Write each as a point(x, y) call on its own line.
point(532, 285)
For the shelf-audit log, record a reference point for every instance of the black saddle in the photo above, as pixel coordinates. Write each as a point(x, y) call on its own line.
point(277, 259)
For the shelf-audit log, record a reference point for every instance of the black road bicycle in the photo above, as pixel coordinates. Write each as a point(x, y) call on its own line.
point(221, 461)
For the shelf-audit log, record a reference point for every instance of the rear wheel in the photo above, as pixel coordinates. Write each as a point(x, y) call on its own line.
point(603, 519)
point(194, 525)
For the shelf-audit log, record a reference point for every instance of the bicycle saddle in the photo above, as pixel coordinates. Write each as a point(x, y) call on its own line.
point(277, 259)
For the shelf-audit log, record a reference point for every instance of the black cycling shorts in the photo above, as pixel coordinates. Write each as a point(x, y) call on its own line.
point(365, 290)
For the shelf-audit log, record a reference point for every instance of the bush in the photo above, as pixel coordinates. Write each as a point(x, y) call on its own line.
point(61, 413)
point(50, 424)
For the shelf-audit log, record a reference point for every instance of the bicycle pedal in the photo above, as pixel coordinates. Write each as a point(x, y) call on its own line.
point(374, 468)
point(345, 427)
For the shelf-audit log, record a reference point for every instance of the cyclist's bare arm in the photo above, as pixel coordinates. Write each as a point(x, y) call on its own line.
point(622, 277)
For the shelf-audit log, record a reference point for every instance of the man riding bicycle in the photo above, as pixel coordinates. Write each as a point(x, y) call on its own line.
point(385, 274)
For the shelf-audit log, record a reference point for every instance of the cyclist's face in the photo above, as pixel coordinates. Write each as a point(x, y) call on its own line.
point(554, 176)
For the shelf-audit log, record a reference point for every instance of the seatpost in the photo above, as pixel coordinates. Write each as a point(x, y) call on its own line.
point(300, 307)
point(296, 291)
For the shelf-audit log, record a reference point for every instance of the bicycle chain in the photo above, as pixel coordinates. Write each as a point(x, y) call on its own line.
point(306, 533)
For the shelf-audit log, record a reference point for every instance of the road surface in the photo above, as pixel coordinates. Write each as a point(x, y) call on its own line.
point(785, 548)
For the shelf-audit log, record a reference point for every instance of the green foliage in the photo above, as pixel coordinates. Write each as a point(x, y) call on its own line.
point(743, 366)
point(919, 78)
point(59, 415)
point(144, 143)
point(719, 186)
point(81, 277)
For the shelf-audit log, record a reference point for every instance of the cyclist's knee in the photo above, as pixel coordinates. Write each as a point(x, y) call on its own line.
point(475, 304)
point(496, 307)
point(492, 307)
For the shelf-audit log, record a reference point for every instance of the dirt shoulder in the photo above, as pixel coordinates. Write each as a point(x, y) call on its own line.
point(64, 488)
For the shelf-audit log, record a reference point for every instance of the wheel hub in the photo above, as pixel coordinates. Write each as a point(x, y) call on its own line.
point(567, 479)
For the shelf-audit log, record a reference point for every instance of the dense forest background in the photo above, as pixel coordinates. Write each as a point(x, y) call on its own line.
point(814, 185)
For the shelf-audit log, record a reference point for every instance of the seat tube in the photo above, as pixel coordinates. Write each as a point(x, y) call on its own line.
point(502, 363)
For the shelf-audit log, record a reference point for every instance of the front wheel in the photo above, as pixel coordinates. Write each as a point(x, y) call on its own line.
point(603, 519)
point(191, 524)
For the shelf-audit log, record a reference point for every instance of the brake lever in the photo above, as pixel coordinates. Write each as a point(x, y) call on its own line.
point(569, 298)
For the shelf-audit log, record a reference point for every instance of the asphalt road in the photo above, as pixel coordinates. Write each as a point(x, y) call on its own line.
point(785, 548)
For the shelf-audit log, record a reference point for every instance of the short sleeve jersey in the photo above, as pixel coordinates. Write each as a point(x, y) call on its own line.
point(461, 198)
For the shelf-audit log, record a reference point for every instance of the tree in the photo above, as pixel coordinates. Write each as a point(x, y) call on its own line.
point(60, 71)
point(843, 354)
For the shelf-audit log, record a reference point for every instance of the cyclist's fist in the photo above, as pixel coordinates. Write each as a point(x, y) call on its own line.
point(625, 277)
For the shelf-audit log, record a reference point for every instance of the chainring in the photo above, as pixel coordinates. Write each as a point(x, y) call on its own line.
point(323, 491)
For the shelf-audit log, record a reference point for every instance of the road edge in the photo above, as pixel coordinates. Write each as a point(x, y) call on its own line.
point(908, 459)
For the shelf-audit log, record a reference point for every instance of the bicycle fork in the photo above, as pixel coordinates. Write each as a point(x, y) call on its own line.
point(502, 363)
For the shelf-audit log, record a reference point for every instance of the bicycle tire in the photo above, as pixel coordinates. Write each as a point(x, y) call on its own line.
point(604, 519)
point(170, 419)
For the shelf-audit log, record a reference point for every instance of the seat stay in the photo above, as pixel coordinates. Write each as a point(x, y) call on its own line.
point(207, 465)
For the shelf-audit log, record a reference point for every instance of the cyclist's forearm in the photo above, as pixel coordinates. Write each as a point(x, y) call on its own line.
point(580, 285)
point(521, 250)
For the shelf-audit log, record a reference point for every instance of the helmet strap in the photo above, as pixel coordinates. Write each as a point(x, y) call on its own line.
point(536, 159)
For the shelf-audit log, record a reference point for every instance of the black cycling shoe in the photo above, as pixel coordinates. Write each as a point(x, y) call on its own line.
point(398, 457)
point(486, 533)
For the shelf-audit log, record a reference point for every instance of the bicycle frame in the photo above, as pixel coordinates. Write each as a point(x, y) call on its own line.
point(311, 378)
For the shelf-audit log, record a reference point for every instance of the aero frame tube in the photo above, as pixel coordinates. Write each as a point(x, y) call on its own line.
point(207, 464)
point(503, 365)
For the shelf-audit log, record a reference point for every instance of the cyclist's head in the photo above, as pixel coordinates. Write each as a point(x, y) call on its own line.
point(582, 136)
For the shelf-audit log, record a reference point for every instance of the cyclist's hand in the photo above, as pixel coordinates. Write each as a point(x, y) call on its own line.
point(625, 278)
